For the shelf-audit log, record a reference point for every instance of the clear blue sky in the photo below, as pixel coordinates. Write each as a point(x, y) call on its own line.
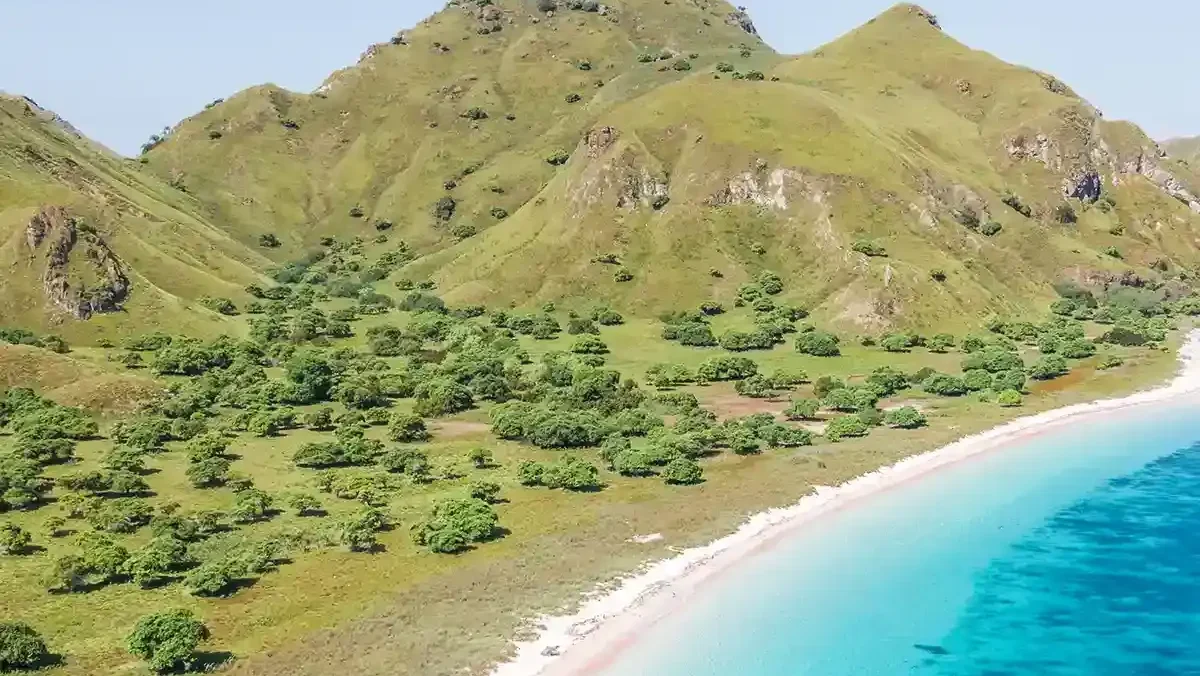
point(123, 69)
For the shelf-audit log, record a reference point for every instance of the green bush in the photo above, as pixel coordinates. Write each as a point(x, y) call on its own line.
point(683, 471)
point(977, 380)
point(1049, 367)
point(846, 426)
point(991, 228)
point(945, 385)
point(1009, 398)
point(407, 428)
point(442, 397)
point(168, 640)
point(589, 345)
point(724, 368)
point(818, 344)
point(802, 409)
point(455, 523)
point(21, 647)
point(905, 417)
point(868, 248)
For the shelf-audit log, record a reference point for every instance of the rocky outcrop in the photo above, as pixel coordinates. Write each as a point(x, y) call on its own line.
point(761, 187)
point(619, 172)
point(742, 20)
point(63, 241)
point(1083, 185)
point(1146, 164)
point(1037, 148)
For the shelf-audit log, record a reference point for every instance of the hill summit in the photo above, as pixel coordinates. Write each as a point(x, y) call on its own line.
point(645, 155)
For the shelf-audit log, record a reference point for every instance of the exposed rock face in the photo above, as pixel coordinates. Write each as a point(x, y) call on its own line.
point(1084, 185)
point(742, 20)
point(54, 232)
point(763, 188)
point(619, 173)
point(1037, 148)
point(1146, 165)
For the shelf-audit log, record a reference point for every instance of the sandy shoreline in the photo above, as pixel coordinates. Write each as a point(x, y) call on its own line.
point(608, 619)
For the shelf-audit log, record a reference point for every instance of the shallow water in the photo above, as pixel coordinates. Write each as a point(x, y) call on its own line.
point(1076, 552)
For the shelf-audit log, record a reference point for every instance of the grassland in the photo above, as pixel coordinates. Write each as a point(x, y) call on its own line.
point(406, 610)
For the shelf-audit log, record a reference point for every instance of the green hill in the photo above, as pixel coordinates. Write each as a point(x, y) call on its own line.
point(86, 235)
point(1185, 149)
point(530, 156)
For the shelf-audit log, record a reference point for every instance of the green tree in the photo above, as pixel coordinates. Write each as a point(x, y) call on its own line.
point(14, 540)
point(683, 471)
point(251, 505)
point(168, 640)
point(488, 491)
point(442, 397)
point(589, 345)
point(818, 344)
point(480, 457)
point(21, 647)
point(1009, 398)
point(905, 417)
point(454, 523)
point(407, 428)
point(208, 472)
point(846, 426)
point(68, 574)
point(802, 409)
point(214, 578)
point(942, 342)
point(945, 385)
point(1050, 366)
point(157, 561)
point(304, 504)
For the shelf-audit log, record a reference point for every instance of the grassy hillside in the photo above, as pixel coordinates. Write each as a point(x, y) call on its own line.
point(171, 254)
point(1186, 149)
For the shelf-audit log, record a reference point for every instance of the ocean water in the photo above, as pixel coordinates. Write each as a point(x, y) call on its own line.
point(1074, 553)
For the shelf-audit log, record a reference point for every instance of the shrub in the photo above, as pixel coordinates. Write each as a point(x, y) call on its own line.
point(727, 368)
point(589, 345)
point(896, 342)
point(977, 380)
point(558, 157)
point(1014, 202)
point(756, 387)
point(846, 426)
point(487, 491)
point(454, 524)
point(683, 471)
point(1009, 398)
point(1110, 361)
point(14, 540)
point(818, 344)
point(21, 647)
point(442, 397)
point(1077, 349)
point(443, 209)
point(724, 67)
point(1048, 367)
point(990, 228)
point(905, 417)
point(802, 409)
point(1065, 214)
point(168, 640)
point(407, 428)
point(573, 98)
point(868, 248)
point(945, 385)
point(622, 275)
point(710, 308)
point(269, 241)
point(1112, 252)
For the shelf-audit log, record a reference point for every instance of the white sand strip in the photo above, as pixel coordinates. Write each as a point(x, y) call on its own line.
point(607, 618)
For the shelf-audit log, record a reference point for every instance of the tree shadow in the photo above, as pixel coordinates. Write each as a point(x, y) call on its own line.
point(210, 660)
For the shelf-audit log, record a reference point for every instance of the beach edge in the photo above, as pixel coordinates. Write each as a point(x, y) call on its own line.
point(595, 631)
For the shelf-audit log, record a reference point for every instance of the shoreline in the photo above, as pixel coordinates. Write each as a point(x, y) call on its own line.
point(607, 619)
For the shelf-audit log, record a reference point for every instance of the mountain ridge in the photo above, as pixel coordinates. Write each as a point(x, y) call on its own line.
point(528, 156)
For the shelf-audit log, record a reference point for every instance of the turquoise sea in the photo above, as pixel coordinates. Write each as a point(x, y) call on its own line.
point(1074, 553)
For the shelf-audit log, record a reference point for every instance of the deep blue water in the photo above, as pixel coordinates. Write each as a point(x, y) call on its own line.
point(1076, 553)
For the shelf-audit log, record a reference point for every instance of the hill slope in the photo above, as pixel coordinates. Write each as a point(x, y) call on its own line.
point(892, 178)
point(85, 234)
